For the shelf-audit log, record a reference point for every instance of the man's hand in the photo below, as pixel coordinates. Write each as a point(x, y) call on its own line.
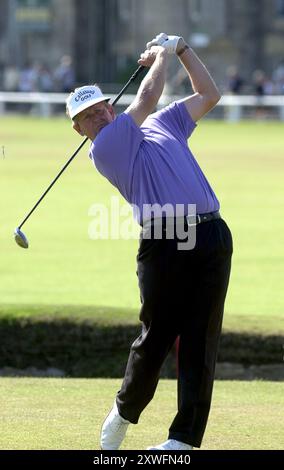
point(171, 43)
point(157, 41)
point(148, 57)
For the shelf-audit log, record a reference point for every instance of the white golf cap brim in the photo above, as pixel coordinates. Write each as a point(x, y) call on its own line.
point(83, 98)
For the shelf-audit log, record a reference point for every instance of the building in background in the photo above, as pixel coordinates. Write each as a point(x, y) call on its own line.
point(104, 37)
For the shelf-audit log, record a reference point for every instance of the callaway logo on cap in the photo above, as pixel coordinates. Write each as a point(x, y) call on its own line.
point(82, 98)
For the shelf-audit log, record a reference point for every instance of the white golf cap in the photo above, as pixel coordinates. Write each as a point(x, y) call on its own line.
point(82, 98)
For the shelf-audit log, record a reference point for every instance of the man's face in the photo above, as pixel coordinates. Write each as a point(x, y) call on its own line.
point(90, 121)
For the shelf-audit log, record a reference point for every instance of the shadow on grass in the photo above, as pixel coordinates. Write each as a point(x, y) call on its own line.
point(95, 341)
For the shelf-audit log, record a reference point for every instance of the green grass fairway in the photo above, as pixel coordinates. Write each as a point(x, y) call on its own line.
point(67, 414)
point(244, 163)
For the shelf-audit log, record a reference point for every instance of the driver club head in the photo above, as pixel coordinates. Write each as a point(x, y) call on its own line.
point(20, 238)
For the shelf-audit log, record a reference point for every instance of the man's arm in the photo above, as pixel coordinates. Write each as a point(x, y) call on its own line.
point(152, 85)
point(206, 94)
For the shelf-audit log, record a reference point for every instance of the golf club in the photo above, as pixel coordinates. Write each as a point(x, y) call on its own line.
point(19, 236)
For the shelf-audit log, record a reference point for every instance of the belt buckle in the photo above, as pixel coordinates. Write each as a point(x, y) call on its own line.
point(197, 219)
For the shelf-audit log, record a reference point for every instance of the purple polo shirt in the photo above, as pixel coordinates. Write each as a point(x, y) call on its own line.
point(152, 164)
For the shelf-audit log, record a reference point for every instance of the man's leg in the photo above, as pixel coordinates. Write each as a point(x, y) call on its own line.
point(159, 331)
point(146, 357)
point(148, 352)
point(202, 319)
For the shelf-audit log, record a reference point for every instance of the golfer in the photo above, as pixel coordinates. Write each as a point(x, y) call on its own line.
point(145, 155)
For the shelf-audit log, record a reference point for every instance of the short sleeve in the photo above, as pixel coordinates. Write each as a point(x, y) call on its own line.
point(175, 119)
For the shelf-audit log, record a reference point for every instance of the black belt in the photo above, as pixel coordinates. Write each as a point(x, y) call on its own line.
point(200, 218)
point(194, 219)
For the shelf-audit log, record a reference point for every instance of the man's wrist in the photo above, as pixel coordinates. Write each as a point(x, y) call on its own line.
point(180, 45)
point(181, 51)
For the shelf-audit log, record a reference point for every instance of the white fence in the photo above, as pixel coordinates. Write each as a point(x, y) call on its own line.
point(234, 106)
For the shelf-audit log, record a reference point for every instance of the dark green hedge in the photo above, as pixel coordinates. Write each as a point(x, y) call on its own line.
point(90, 349)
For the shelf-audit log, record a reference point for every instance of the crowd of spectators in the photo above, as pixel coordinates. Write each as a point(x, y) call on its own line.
point(38, 77)
point(260, 84)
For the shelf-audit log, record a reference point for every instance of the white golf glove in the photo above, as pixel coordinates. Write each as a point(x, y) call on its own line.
point(157, 41)
point(168, 42)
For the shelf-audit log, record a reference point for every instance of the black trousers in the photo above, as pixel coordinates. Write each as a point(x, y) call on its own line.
point(182, 294)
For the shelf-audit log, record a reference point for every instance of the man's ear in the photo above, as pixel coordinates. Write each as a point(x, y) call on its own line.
point(77, 128)
point(111, 109)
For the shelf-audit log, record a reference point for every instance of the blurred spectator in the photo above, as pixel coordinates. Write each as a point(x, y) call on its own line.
point(261, 84)
point(28, 78)
point(64, 75)
point(11, 78)
point(235, 82)
point(44, 79)
point(278, 78)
